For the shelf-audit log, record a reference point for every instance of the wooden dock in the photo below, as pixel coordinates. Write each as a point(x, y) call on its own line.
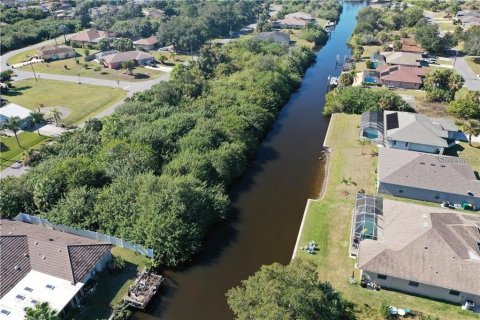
point(143, 290)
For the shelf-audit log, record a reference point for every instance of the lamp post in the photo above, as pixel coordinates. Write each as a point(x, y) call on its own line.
point(34, 74)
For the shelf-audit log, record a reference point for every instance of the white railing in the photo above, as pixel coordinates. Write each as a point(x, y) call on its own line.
point(86, 234)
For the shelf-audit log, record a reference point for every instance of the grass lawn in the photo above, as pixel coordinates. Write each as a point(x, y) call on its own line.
point(369, 50)
point(84, 69)
point(328, 223)
point(474, 63)
point(11, 152)
point(81, 101)
point(178, 58)
point(112, 287)
point(471, 153)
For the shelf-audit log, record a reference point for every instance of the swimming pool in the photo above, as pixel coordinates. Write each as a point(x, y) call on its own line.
point(369, 80)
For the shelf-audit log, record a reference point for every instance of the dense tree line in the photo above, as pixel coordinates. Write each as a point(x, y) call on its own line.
point(471, 39)
point(157, 171)
point(328, 9)
point(357, 100)
point(30, 31)
point(198, 22)
point(288, 292)
point(13, 15)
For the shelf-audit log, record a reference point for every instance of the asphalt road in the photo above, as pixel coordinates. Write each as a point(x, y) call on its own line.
point(130, 87)
point(471, 80)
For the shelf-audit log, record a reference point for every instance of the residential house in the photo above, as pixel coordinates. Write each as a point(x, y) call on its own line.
point(14, 110)
point(100, 55)
point(417, 132)
point(154, 13)
point(468, 18)
point(114, 61)
point(408, 59)
point(146, 44)
point(301, 15)
point(91, 36)
point(399, 76)
point(410, 45)
point(427, 177)
point(44, 265)
point(274, 36)
point(425, 251)
point(290, 23)
point(55, 52)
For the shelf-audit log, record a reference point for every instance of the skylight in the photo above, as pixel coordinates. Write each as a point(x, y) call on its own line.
point(5, 312)
point(49, 286)
point(28, 289)
point(20, 297)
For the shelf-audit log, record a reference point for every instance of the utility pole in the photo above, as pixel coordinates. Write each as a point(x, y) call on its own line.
point(34, 74)
point(78, 74)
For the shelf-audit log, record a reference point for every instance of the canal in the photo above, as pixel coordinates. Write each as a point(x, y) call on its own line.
point(268, 201)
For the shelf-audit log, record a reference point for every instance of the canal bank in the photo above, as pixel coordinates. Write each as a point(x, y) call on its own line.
point(268, 201)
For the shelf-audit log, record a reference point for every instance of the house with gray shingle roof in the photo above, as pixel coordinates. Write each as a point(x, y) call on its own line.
point(45, 265)
point(427, 177)
point(274, 36)
point(409, 59)
point(416, 132)
point(425, 251)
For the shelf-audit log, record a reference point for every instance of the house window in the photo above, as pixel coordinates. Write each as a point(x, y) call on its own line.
point(28, 289)
point(5, 312)
point(413, 284)
point(400, 190)
point(395, 142)
point(454, 293)
point(437, 196)
point(382, 276)
point(406, 144)
point(49, 286)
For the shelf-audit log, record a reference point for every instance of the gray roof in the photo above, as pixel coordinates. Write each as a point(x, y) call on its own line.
point(33, 247)
point(424, 244)
point(427, 171)
point(417, 128)
point(403, 58)
point(275, 36)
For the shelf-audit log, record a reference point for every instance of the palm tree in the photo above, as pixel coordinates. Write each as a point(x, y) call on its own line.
point(455, 82)
point(63, 29)
point(162, 59)
point(56, 115)
point(172, 55)
point(37, 118)
point(363, 143)
point(41, 311)
point(471, 128)
point(14, 124)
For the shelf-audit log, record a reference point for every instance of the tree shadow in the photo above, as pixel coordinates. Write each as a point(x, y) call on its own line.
point(3, 147)
point(141, 76)
point(454, 151)
point(103, 73)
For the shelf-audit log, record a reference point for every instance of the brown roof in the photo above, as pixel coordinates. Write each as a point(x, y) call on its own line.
point(89, 35)
point(56, 253)
point(409, 45)
point(126, 56)
point(147, 41)
point(402, 73)
point(427, 245)
point(293, 21)
point(47, 50)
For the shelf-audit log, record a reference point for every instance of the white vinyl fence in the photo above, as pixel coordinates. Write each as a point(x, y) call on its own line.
point(86, 233)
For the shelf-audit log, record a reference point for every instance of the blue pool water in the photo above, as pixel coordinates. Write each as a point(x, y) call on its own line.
point(369, 80)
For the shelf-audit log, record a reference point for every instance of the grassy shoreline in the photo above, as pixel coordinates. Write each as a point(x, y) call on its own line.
point(328, 221)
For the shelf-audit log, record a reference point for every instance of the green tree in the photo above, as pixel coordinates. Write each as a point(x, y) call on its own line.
point(13, 124)
point(41, 311)
point(6, 75)
point(162, 59)
point(128, 66)
point(121, 311)
point(348, 182)
point(56, 115)
point(37, 118)
point(16, 197)
point(397, 45)
point(441, 85)
point(466, 107)
point(63, 29)
point(288, 292)
point(104, 45)
point(472, 41)
point(471, 128)
point(346, 79)
point(122, 44)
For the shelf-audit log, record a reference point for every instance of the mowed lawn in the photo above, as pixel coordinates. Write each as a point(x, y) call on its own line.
point(84, 69)
point(328, 223)
point(11, 152)
point(83, 101)
point(112, 287)
point(474, 63)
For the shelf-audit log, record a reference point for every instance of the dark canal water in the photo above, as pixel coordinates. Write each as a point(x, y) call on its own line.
point(268, 201)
